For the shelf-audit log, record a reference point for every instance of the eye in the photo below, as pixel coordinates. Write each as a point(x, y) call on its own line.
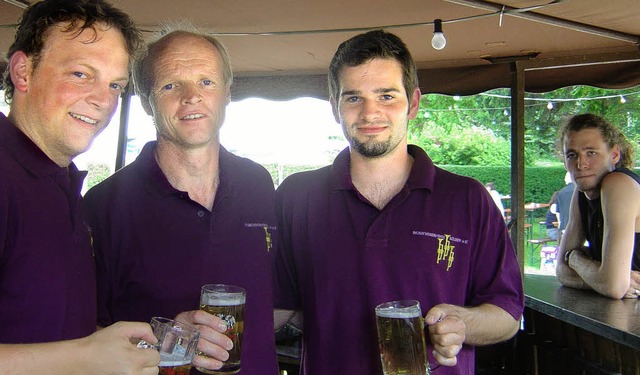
point(207, 82)
point(387, 97)
point(168, 86)
point(352, 99)
point(79, 74)
point(117, 86)
point(570, 155)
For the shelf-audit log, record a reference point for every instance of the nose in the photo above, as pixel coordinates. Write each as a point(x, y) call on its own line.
point(370, 111)
point(102, 95)
point(190, 95)
point(581, 162)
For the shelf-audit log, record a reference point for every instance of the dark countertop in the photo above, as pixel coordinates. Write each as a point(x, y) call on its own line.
point(617, 320)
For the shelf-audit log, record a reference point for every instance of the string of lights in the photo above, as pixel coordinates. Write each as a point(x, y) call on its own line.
point(621, 95)
point(534, 102)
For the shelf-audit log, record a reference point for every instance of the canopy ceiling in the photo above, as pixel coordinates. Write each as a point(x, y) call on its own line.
point(281, 48)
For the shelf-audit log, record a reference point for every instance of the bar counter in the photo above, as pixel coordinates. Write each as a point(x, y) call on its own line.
point(577, 331)
point(617, 320)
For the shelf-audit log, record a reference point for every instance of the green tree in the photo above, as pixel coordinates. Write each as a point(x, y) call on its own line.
point(96, 173)
point(454, 130)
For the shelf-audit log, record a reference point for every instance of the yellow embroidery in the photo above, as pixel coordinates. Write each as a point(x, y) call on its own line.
point(445, 250)
point(267, 236)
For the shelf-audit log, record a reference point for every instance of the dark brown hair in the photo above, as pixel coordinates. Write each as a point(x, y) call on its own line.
point(376, 44)
point(39, 18)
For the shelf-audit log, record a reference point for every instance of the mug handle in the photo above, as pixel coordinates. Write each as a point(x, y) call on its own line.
point(430, 368)
point(142, 344)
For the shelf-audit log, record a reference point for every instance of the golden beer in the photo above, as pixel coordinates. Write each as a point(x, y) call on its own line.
point(227, 303)
point(174, 367)
point(401, 338)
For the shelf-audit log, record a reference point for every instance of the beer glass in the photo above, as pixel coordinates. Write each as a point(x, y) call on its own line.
point(177, 343)
point(401, 338)
point(227, 303)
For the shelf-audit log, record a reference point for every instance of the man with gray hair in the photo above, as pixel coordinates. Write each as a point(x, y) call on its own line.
point(187, 212)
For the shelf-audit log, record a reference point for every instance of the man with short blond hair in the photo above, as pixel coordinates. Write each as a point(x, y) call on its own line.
point(187, 212)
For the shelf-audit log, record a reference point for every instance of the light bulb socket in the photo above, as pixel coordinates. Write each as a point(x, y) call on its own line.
point(438, 41)
point(437, 26)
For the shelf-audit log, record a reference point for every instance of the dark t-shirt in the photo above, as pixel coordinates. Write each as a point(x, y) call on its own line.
point(592, 223)
point(47, 273)
point(155, 247)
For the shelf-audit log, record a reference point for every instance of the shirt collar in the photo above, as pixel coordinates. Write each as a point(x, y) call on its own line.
point(158, 183)
point(31, 157)
point(422, 175)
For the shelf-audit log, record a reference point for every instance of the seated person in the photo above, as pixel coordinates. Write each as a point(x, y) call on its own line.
point(551, 218)
point(563, 200)
point(495, 195)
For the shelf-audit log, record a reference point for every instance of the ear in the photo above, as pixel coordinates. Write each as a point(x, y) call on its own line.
point(414, 104)
point(228, 94)
point(19, 70)
point(146, 105)
point(615, 154)
point(335, 109)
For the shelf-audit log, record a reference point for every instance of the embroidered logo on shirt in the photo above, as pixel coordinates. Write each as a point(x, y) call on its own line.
point(445, 251)
point(267, 232)
point(267, 236)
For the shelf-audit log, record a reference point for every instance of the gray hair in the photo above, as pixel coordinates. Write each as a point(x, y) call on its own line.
point(143, 74)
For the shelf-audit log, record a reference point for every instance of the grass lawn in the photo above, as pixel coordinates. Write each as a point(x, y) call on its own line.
point(532, 253)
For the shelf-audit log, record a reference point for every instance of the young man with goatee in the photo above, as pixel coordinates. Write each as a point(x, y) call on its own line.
point(383, 223)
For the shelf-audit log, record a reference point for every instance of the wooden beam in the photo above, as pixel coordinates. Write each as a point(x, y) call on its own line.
point(517, 160)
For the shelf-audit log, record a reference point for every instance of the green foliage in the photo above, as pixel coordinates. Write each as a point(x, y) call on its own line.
point(539, 184)
point(454, 131)
point(463, 130)
point(97, 172)
point(463, 146)
point(280, 171)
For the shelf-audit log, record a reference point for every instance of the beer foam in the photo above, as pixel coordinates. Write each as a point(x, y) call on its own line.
point(398, 313)
point(213, 299)
point(173, 360)
point(173, 363)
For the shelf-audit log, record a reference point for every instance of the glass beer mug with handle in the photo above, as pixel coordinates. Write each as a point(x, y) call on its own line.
point(401, 338)
point(177, 343)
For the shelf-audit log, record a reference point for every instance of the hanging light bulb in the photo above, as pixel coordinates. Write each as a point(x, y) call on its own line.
point(438, 41)
point(622, 99)
point(550, 105)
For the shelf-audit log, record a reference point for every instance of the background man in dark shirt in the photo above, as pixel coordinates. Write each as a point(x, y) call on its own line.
point(563, 201)
point(605, 210)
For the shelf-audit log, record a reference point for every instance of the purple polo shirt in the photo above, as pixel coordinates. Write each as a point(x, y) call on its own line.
point(155, 247)
point(441, 239)
point(47, 273)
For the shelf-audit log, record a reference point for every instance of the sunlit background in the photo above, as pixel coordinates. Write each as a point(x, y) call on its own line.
point(297, 132)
